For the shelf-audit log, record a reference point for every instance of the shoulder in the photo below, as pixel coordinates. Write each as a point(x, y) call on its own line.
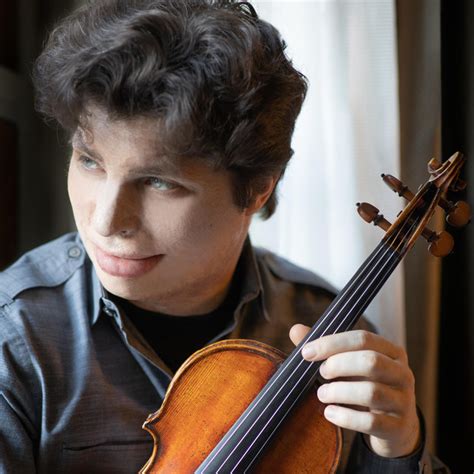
point(33, 311)
point(282, 269)
point(45, 295)
point(46, 306)
point(293, 293)
point(46, 266)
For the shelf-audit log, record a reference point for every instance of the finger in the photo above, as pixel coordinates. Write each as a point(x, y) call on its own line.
point(370, 365)
point(298, 332)
point(375, 424)
point(327, 346)
point(375, 396)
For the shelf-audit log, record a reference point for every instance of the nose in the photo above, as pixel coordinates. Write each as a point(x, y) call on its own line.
point(115, 211)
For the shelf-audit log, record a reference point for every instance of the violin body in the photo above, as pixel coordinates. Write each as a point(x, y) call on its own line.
point(210, 392)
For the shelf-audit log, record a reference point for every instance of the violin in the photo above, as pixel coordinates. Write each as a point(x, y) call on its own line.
point(240, 406)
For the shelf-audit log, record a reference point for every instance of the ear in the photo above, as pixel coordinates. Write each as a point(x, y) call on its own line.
point(262, 192)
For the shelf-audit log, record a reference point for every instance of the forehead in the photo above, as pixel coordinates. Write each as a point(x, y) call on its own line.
point(96, 123)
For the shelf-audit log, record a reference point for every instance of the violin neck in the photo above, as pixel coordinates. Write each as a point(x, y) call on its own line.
point(242, 445)
point(353, 299)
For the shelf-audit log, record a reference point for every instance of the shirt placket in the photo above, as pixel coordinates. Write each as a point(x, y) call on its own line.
point(158, 373)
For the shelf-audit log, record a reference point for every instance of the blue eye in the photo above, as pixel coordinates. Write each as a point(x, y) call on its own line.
point(87, 162)
point(161, 184)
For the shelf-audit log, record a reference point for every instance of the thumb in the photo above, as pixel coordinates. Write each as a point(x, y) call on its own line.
point(298, 332)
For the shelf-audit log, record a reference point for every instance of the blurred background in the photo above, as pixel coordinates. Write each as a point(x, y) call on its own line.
point(390, 87)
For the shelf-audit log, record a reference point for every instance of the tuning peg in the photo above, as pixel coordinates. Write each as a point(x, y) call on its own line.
point(397, 186)
point(458, 185)
point(459, 214)
point(441, 243)
point(371, 214)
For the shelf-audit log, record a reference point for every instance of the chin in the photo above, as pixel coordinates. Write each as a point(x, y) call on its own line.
point(129, 288)
point(145, 288)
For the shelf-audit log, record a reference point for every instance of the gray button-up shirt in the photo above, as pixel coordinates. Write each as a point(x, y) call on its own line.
point(77, 380)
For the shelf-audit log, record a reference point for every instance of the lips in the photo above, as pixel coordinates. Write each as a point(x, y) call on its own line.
point(125, 267)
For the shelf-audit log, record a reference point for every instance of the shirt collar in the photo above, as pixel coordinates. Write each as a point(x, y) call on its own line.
point(252, 286)
point(251, 289)
point(99, 296)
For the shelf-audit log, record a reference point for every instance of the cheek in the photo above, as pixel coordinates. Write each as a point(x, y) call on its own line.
point(215, 225)
point(191, 223)
point(78, 198)
point(73, 189)
point(180, 223)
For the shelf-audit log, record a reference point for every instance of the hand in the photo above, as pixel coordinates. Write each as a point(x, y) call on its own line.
point(373, 388)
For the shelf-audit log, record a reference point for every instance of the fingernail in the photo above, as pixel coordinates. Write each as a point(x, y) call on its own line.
point(309, 351)
point(329, 412)
point(322, 391)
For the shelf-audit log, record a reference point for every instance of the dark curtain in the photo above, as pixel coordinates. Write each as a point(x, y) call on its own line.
point(419, 82)
point(34, 206)
point(456, 378)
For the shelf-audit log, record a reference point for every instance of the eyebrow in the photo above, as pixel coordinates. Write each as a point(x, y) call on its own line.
point(166, 168)
point(78, 142)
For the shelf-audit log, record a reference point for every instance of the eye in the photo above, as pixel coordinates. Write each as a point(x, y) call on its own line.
point(87, 163)
point(161, 184)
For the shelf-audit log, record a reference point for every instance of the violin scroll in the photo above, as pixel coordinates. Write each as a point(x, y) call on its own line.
point(433, 165)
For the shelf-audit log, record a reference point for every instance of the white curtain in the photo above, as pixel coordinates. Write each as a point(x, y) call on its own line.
point(346, 136)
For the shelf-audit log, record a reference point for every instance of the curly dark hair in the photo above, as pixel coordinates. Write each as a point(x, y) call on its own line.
point(211, 71)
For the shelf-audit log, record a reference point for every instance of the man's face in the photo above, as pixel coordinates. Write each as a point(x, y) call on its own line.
point(165, 238)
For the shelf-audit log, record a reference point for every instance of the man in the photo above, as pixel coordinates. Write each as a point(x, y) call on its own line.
point(180, 115)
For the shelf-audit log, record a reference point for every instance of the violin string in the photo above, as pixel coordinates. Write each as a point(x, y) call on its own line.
point(295, 384)
point(300, 394)
point(374, 256)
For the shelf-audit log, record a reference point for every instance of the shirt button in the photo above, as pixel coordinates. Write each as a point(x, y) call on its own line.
point(108, 307)
point(74, 252)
